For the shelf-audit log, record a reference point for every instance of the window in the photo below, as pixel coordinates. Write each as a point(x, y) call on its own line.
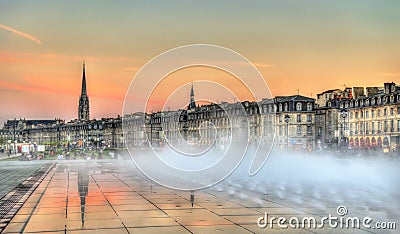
point(391, 111)
point(309, 130)
point(372, 113)
point(299, 130)
point(356, 103)
point(398, 125)
point(286, 107)
point(379, 101)
point(366, 114)
point(373, 127)
point(373, 101)
point(356, 115)
point(351, 115)
point(385, 126)
point(309, 118)
point(379, 112)
point(367, 102)
point(392, 125)
point(391, 98)
point(309, 106)
point(384, 112)
point(361, 114)
point(361, 128)
point(299, 106)
point(280, 118)
point(280, 107)
point(379, 126)
point(298, 118)
point(351, 128)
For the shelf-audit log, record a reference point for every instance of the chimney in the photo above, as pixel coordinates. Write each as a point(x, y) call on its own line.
point(389, 87)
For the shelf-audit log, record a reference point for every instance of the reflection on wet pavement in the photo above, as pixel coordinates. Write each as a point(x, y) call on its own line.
point(192, 198)
point(113, 197)
point(83, 182)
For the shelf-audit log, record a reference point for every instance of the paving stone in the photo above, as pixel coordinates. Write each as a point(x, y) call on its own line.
point(114, 198)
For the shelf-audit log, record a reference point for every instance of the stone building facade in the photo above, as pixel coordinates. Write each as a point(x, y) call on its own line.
point(370, 121)
point(203, 125)
point(295, 122)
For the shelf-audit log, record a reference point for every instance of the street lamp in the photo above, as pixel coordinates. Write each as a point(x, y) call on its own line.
point(287, 119)
point(122, 141)
point(15, 122)
point(343, 114)
point(68, 139)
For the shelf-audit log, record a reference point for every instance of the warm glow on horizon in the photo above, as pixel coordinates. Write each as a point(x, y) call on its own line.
point(211, 84)
point(310, 47)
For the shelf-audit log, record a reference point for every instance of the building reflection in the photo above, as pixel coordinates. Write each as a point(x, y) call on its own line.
point(83, 182)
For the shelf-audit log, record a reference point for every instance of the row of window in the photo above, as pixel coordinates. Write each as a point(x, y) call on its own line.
point(374, 127)
point(369, 101)
point(299, 131)
point(377, 113)
point(299, 106)
point(298, 118)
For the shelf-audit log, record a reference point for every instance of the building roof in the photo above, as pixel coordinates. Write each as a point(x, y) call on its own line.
point(330, 91)
point(296, 98)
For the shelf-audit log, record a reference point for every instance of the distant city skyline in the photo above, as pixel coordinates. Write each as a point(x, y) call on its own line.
point(312, 46)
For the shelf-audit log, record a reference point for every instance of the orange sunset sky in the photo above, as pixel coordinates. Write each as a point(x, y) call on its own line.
point(307, 45)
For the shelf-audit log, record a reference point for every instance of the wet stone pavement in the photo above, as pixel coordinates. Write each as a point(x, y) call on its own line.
point(18, 181)
point(111, 197)
point(12, 173)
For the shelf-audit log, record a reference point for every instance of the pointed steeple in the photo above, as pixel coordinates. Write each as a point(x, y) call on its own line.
point(83, 92)
point(83, 108)
point(192, 91)
point(192, 103)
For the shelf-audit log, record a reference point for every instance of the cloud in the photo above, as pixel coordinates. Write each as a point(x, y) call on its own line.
point(263, 65)
point(22, 34)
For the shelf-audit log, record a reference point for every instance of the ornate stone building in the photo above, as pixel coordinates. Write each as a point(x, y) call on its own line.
point(374, 121)
point(295, 122)
point(370, 121)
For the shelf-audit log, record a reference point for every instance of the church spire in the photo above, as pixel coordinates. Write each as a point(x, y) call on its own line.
point(192, 103)
point(83, 108)
point(83, 92)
